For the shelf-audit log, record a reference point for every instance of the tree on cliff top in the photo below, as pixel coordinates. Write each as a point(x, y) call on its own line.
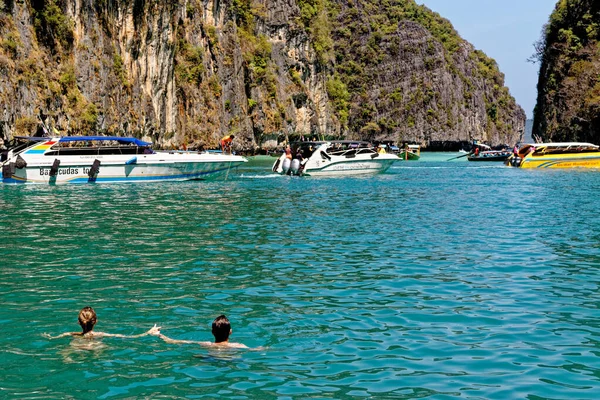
point(568, 105)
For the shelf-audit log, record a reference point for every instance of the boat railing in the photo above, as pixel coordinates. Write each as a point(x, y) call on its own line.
point(351, 152)
point(566, 150)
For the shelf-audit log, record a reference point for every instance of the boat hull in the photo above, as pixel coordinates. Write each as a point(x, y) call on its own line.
point(581, 161)
point(488, 159)
point(349, 168)
point(408, 156)
point(144, 169)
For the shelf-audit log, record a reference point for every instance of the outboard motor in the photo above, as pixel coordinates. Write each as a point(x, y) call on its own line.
point(20, 163)
point(8, 170)
point(295, 166)
point(285, 167)
point(276, 165)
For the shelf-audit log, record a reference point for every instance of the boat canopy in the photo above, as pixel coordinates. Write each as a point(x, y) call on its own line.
point(122, 140)
point(566, 145)
point(560, 147)
point(32, 138)
point(64, 139)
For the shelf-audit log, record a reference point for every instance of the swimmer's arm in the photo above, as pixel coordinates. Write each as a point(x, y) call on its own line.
point(47, 336)
point(237, 346)
point(175, 341)
point(152, 331)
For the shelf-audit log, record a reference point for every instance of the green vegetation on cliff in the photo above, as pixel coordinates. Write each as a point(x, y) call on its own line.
point(568, 106)
point(373, 35)
point(191, 71)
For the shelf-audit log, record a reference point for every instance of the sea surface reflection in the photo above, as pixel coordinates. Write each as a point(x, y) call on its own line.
point(437, 279)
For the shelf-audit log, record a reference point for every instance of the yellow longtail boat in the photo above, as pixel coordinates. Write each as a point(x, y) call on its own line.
point(556, 155)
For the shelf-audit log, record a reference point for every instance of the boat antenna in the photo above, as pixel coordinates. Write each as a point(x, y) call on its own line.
point(44, 127)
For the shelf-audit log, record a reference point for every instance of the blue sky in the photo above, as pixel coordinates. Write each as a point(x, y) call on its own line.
point(504, 30)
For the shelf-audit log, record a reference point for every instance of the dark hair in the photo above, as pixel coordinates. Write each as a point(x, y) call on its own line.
point(87, 319)
point(221, 329)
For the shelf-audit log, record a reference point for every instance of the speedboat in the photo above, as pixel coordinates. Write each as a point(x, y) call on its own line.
point(83, 159)
point(334, 158)
point(556, 155)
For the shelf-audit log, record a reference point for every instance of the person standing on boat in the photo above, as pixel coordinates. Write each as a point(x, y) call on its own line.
point(226, 143)
point(288, 152)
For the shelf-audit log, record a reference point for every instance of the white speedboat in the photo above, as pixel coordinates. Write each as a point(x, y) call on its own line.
point(340, 157)
point(83, 159)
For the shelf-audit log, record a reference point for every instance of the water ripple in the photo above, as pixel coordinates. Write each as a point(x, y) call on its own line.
point(434, 280)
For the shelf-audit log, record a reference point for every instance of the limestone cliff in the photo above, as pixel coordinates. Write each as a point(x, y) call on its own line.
point(568, 105)
point(187, 72)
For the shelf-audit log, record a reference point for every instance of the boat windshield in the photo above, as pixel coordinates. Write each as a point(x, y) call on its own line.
point(120, 140)
point(344, 148)
point(566, 149)
point(76, 146)
point(337, 147)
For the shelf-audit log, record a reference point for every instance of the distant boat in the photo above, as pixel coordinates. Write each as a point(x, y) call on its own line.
point(483, 152)
point(96, 159)
point(490, 155)
point(557, 155)
point(410, 152)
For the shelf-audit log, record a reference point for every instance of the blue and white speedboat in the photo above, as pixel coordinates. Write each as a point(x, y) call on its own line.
point(334, 158)
point(99, 159)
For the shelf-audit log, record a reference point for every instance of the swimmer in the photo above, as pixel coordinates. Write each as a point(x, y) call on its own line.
point(221, 329)
point(87, 319)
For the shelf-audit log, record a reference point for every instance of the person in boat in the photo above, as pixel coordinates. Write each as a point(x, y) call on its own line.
point(288, 152)
point(476, 151)
point(221, 330)
point(532, 149)
point(226, 143)
point(87, 320)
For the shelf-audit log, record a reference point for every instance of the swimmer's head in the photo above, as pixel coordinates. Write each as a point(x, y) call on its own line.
point(87, 319)
point(221, 329)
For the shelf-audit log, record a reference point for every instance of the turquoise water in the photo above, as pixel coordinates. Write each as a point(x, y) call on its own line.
point(434, 280)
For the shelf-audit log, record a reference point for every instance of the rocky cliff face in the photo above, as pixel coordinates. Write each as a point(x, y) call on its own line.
point(568, 105)
point(421, 81)
point(187, 72)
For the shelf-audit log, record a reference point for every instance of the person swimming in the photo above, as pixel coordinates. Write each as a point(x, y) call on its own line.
point(221, 330)
point(87, 320)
